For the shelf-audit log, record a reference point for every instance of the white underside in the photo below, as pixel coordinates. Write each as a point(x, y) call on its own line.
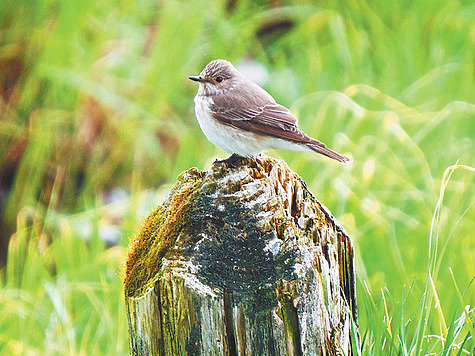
point(233, 140)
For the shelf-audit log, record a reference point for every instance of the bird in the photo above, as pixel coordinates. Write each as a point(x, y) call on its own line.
point(240, 117)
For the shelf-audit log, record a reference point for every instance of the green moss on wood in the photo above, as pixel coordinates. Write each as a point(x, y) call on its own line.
point(290, 318)
point(159, 232)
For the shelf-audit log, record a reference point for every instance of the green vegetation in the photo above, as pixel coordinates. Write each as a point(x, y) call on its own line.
point(94, 95)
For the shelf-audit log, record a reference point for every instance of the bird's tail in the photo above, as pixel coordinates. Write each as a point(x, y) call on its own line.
point(322, 149)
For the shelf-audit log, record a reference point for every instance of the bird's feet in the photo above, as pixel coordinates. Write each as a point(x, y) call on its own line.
point(232, 161)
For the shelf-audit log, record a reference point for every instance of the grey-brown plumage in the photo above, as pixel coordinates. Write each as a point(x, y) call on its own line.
point(240, 117)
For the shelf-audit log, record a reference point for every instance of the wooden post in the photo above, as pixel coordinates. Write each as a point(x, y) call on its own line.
point(241, 260)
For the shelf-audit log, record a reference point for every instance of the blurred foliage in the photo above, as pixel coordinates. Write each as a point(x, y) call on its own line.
point(95, 96)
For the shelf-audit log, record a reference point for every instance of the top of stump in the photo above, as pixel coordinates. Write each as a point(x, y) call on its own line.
point(262, 189)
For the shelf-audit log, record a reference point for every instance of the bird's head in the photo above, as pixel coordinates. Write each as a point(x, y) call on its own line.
point(217, 77)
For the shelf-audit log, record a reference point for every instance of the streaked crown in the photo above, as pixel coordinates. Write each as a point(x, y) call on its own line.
point(218, 67)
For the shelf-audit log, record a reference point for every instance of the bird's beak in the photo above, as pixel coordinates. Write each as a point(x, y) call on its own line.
point(196, 78)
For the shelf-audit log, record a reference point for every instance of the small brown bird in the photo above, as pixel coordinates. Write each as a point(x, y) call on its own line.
point(240, 117)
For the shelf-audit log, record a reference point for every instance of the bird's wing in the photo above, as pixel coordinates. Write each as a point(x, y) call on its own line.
point(270, 119)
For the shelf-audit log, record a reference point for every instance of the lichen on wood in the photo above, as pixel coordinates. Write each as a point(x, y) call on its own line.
point(241, 259)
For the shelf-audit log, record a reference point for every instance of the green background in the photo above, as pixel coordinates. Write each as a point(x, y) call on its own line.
point(97, 120)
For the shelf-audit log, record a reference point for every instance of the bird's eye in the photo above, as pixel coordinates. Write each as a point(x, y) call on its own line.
point(219, 79)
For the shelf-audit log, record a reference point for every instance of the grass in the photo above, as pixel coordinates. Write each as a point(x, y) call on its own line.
point(417, 323)
point(94, 97)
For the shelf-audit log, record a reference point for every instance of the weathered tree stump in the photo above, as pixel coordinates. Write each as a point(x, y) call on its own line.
point(241, 260)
